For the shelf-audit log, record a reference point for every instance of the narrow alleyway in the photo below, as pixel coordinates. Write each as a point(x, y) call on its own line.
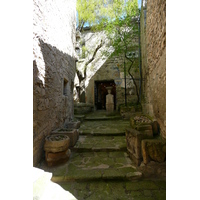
point(99, 166)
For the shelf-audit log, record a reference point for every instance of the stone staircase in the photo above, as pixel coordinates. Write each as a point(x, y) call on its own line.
point(100, 153)
point(99, 166)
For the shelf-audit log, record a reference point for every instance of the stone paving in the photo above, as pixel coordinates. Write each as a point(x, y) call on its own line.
point(100, 143)
point(117, 190)
point(99, 166)
point(104, 127)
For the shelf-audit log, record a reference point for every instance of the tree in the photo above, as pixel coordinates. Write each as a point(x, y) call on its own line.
point(118, 19)
point(87, 12)
point(83, 76)
point(101, 12)
point(121, 27)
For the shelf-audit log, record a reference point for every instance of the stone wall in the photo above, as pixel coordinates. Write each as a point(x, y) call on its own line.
point(153, 48)
point(113, 69)
point(53, 68)
point(105, 67)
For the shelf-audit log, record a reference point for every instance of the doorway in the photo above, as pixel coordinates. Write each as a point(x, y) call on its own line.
point(100, 93)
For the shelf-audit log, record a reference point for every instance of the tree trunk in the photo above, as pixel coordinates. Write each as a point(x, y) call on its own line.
point(136, 88)
point(82, 78)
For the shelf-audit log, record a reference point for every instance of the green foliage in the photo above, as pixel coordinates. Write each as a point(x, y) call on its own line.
point(86, 11)
point(117, 22)
point(90, 11)
point(117, 19)
point(101, 13)
point(114, 17)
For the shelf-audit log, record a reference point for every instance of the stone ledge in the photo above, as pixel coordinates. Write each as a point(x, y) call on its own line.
point(100, 143)
point(103, 118)
point(153, 170)
point(73, 134)
point(127, 173)
point(133, 139)
point(102, 133)
point(153, 149)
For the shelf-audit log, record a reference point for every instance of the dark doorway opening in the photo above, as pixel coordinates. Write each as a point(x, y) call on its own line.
point(101, 92)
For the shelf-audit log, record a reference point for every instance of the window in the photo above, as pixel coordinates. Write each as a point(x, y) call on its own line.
point(65, 87)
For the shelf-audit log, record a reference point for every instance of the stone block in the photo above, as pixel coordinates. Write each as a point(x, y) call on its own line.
point(133, 140)
point(56, 143)
point(49, 156)
point(145, 129)
point(153, 149)
point(57, 158)
point(73, 134)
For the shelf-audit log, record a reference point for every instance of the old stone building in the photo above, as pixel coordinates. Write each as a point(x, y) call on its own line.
point(153, 51)
point(53, 68)
point(104, 71)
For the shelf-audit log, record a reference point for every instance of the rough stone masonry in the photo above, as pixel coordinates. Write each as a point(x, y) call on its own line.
point(54, 24)
point(153, 51)
point(105, 67)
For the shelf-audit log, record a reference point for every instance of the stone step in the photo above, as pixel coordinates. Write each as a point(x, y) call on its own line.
point(102, 115)
point(105, 128)
point(97, 118)
point(100, 143)
point(99, 154)
point(102, 132)
point(79, 117)
point(97, 166)
point(113, 190)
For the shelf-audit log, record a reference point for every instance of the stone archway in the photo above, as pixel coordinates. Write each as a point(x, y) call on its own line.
point(100, 93)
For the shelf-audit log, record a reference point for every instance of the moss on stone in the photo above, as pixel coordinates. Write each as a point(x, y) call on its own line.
point(159, 194)
point(144, 184)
